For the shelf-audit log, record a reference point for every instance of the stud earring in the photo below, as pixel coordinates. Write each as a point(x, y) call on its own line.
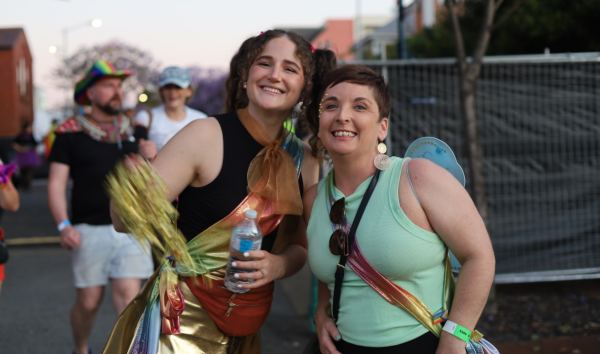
point(244, 85)
point(382, 161)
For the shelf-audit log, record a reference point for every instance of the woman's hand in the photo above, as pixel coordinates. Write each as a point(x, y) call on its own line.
point(268, 268)
point(450, 344)
point(327, 332)
point(147, 149)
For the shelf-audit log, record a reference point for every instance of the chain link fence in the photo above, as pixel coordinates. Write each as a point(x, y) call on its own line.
point(539, 123)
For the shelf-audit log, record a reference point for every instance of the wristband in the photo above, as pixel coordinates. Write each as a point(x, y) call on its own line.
point(62, 225)
point(457, 330)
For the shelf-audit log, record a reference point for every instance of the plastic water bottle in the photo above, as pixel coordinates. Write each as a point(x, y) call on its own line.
point(246, 237)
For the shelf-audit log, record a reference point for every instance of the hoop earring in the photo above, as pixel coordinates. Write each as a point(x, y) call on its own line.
point(382, 161)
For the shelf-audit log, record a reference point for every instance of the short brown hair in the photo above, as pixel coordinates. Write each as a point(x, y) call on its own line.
point(353, 74)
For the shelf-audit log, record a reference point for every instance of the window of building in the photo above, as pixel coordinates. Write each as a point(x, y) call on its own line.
point(22, 77)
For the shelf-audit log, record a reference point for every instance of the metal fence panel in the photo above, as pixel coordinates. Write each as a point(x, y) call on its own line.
point(539, 123)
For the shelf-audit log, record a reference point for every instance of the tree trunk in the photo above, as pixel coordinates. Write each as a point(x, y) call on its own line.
point(472, 145)
point(469, 72)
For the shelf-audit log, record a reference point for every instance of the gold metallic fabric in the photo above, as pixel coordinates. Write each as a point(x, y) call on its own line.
point(121, 337)
point(199, 334)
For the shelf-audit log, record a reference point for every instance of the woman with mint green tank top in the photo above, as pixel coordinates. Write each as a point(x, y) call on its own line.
point(412, 217)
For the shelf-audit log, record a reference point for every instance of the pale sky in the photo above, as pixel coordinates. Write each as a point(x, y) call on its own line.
point(176, 32)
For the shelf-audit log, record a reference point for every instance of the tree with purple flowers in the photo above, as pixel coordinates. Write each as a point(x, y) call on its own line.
point(209, 90)
point(122, 55)
point(208, 84)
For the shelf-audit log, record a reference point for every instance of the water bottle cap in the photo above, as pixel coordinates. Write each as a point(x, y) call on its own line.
point(251, 214)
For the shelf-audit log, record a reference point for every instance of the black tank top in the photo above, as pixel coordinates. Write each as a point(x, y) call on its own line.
point(201, 207)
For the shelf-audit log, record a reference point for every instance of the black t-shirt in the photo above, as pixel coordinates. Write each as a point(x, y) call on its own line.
point(89, 162)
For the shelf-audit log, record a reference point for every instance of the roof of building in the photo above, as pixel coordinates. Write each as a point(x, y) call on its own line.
point(385, 33)
point(9, 37)
point(308, 33)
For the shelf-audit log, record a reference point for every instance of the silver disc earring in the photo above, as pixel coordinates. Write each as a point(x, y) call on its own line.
point(382, 161)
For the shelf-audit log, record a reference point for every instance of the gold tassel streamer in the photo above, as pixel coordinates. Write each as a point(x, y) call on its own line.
point(140, 199)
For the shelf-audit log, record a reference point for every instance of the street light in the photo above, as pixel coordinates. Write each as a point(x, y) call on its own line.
point(65, 42)
point(94, 23)
point(53, 49)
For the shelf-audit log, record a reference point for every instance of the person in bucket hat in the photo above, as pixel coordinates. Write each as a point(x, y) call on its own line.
point(166, 120)
point(87, 147)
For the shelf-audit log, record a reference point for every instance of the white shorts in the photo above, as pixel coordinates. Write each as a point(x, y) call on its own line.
point(107, 254)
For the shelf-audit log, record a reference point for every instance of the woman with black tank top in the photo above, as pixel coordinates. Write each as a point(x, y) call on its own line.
point(210, 166)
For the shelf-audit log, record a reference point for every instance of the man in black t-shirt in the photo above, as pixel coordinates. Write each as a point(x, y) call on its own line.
point(87, 148)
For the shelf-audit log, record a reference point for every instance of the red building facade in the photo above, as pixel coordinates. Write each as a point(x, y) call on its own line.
point(337, 35)
point(16, 81)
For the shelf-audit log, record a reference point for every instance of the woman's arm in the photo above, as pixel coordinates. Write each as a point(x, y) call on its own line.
point(192, 157)
point(18, 148)
point(452, 214)
point(9, 197)
point(325, 326)
point(310, 169)
point(293, 257)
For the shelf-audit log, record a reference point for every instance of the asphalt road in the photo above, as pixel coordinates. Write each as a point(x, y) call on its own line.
point(37, 294)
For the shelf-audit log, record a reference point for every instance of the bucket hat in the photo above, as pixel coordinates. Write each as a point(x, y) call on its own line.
point(99, 70)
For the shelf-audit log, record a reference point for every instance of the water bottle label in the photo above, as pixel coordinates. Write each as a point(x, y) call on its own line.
point(244, 245)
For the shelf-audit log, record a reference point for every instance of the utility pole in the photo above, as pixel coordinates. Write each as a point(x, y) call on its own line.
point(359, 49)
point(402, 49)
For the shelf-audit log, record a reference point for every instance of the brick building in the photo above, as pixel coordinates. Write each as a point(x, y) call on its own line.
point(336, 35)
point(339, 35)
point(16, 82)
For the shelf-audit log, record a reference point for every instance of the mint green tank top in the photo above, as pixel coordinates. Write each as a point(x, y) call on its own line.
point(400, 250)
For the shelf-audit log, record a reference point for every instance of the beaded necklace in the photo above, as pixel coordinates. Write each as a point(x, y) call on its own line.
point(115, 132)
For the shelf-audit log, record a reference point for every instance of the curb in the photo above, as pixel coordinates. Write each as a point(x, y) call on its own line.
point(44, 240)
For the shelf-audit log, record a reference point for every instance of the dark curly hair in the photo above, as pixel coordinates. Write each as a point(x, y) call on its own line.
point(354, 74)
point(315, 67)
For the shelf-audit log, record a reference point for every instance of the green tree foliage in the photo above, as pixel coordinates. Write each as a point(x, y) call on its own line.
point(560, 25)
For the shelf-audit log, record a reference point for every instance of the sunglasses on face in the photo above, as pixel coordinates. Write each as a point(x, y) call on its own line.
point(338, 242)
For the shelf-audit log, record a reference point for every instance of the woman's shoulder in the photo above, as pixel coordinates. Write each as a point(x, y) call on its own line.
point(201, 128)
point(197, 135)
point(195, 114)
point(427, 174)
point(308, 154)
point(308, 200)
